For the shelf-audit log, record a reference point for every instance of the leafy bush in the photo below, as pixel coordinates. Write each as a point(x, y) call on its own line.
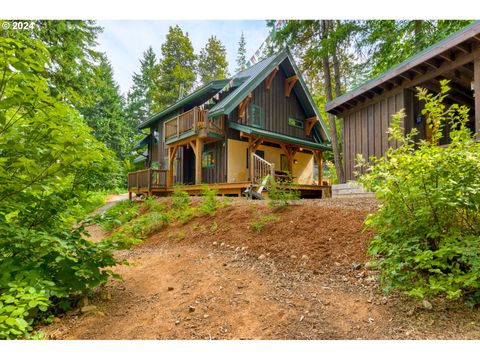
point(210, 202)
point(427, 228)
point(280, 194)
point(180, 199)
point(49, 166)
point(120, 213)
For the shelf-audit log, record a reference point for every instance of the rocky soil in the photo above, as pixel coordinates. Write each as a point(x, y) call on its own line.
point(302, 274)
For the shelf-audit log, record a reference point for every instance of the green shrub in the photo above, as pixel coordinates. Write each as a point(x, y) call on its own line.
point(280, 194)
point(427, 240)
point(210, 202)
point(120, 213)
point(50, 164)
point(180, 199)
point(262, 221)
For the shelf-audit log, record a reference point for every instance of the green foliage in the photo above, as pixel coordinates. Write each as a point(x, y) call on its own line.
point(180, 199)
point(105, 113)
point(212, 61)
point(50, 165)
point(386, 43)
point(140, 96)
point(210, 202)
point(259, 224)
point(177, 66)
point(331, 173)
point(241, 54)
point(280, 194)
point(427, 240)
point(118, 214)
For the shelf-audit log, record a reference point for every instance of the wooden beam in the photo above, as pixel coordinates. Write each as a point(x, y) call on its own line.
point(318, 154)
point(193, 145)
point(289, 83)
point(459, 61)
point(309, 124)
point(198, 161)
point(463, 48)
point(476, 92)
point(243, 106)
point(269, 79)
point(171, 156)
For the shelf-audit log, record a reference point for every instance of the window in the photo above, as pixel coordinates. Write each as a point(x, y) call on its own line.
point(295, 123)
point(208, 160)
point(283, 162)
point(255, 115)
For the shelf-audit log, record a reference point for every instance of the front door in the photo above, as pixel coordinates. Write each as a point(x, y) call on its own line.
point(188, 166)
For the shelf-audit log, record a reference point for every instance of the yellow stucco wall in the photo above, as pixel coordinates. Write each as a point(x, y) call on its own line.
point(237, 162)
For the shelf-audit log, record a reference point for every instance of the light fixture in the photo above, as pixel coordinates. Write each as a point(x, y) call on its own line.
point(295, 161)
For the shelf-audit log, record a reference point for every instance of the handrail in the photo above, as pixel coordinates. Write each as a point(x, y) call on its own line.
point(261, 168)
point(147, 179)
point(194, 119)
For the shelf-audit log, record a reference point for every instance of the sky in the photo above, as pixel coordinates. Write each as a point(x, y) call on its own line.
point(124, 41)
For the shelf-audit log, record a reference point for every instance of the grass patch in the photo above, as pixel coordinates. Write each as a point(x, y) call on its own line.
point(259, 224)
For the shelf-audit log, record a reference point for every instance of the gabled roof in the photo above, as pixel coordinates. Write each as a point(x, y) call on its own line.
point(254, 75)
point(198, 96)
point(467, 35)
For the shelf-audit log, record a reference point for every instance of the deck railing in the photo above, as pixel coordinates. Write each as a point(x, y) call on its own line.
point(194, 119)
point(147, 179)
point(261, 168)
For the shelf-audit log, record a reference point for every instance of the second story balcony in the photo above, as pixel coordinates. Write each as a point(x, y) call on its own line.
point(193, 122)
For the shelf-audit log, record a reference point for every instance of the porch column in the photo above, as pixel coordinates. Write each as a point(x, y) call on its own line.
point(318, 156)
point(198, 160)
point(290, 154)
point(476, 90)
point(171, 156)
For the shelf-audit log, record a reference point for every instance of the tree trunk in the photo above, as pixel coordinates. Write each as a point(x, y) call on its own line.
point(329, 96)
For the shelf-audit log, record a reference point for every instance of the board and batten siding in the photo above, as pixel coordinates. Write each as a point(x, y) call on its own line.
point(276, 108)
point(365, 129)
point(218, 172)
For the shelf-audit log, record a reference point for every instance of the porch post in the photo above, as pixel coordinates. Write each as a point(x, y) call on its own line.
point(198, 160)
point(476, 91)
point(171, 156)
point(318, 156)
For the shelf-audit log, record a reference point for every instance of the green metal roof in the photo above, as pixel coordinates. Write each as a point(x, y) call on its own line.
point(276, 136)
point(255, 75)
point(412, 61)
point(143, 142)
point(207, 90)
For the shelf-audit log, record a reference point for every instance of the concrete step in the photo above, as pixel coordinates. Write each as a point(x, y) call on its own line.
point(349, 189)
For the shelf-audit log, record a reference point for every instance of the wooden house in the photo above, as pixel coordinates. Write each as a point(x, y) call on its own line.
point(367, 110)
point(232, 133)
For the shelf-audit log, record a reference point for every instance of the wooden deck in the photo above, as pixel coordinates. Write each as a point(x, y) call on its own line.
point(229, 189)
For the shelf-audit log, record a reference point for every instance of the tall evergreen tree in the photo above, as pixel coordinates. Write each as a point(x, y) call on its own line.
point(212, 61)
point(241, 54)
point(140, 96)
point(176, 67)
point(106, 113)
point(71, 44)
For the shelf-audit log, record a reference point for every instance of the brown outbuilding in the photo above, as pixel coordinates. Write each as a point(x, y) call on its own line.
point(367, 110)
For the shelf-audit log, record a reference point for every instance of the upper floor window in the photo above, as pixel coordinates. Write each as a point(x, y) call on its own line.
point(295, 123)
point(256, 115)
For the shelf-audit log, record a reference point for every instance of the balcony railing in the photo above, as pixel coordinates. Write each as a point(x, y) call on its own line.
point(147, 179)
point(195, 120)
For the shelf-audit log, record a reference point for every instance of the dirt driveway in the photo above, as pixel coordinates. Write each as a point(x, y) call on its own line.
point(301, 277)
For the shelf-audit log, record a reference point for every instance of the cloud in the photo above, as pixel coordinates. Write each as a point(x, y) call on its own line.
point(124, 41)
